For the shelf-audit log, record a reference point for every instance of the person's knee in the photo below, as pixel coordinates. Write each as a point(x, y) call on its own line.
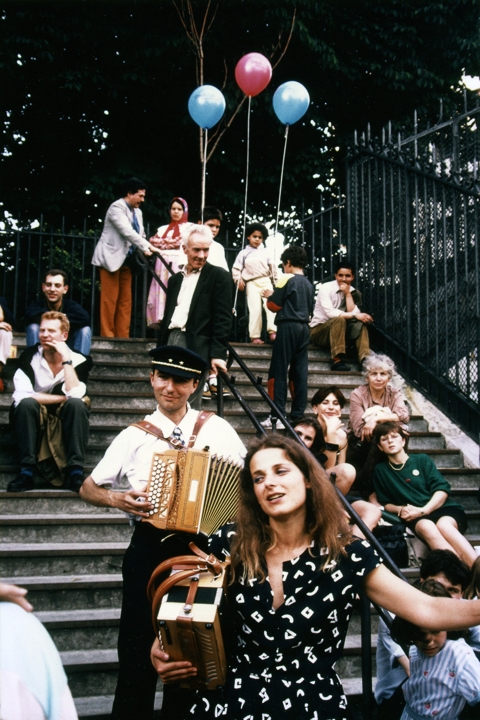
point(427, 530)
point(76, 407)
point(447, 524)
point(27, 406)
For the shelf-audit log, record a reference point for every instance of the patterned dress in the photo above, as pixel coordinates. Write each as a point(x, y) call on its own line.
point(283, 663)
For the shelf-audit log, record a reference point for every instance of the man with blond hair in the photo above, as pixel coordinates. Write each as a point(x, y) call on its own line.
point(51, 381)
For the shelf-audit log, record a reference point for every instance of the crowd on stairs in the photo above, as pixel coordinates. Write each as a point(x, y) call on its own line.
point(290, 522)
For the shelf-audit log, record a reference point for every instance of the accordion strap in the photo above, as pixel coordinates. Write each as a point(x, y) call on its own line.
point(199, 561)
point(152, 429)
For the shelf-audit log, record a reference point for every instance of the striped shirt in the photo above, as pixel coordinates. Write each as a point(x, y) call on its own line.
point(439, 686)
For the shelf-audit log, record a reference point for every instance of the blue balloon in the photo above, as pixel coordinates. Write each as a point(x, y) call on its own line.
point(206, 106)
point(290, 102)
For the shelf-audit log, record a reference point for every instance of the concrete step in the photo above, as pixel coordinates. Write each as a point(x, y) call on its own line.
point(90, 629)
point(61, 527)
point(34, 559)
point(51, 501)
point(72, 593)
point(462, 477)
point(100, 706)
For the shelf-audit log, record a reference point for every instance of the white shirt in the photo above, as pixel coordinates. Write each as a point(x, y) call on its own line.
point(216, 255)
point(328, 303)
point(45, 380)
point(252, 263)
point(184, 299)
point(130, 454)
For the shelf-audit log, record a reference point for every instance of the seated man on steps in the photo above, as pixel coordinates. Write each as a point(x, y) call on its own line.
point(50, 387)
point(175, 375)
point(337, 317)
point(54, 289)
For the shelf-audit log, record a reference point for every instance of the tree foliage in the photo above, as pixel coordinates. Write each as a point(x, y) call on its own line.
point(95, 91)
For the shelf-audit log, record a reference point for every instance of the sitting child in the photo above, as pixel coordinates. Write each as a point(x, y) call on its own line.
point(444, 672)
point(254, 270)
point(314, 434)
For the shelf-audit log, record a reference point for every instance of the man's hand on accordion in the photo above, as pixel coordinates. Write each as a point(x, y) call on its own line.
point(170, 670)
point(135, 502)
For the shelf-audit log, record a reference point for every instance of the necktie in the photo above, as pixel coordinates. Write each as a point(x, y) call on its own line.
point(135, 223)
point(177, 437)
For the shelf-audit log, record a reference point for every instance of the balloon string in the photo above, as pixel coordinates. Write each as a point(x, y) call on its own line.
point(246, 193)
point(204, 173)
point(280, 192)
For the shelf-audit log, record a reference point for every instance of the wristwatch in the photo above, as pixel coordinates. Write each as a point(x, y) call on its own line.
point(331, 446)
point(67, 362)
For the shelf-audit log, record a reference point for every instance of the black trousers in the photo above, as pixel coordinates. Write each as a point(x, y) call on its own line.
point(290, 349)
point(74, 415)
point(137, 678)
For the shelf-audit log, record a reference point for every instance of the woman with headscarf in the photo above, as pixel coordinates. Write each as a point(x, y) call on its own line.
point(169, 239)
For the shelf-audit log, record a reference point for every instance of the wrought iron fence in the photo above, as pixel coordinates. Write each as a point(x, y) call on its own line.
point(26, 254)
point(410, 222)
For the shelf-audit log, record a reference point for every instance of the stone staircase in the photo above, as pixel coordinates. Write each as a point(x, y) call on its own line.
point(69, 554)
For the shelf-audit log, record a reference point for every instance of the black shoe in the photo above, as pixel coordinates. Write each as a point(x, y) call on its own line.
point(340, 366)
point(23, 481)
point(75, 481)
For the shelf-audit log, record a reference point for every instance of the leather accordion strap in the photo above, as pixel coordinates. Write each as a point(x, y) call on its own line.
point(199, 563)
point(202, 418)
point(149, 428)
point(185, 634)
point(152, 429)
point(200, 560)
point(166, 586)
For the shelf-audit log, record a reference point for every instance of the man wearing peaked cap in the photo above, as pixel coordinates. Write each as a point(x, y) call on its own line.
point(174, 376)
point(178, 361)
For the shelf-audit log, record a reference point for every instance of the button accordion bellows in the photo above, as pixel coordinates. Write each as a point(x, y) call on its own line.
point(192, 490)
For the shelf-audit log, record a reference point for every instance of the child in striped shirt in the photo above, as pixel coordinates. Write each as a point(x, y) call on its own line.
point(444, 672)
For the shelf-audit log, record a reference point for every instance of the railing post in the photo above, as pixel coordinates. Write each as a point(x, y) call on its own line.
point(366, 638)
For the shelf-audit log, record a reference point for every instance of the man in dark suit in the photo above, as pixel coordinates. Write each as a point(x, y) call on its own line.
point(198, 310)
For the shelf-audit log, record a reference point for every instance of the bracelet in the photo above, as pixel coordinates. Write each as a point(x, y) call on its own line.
point(398, 514)
point(67, 362)
point(332, 446)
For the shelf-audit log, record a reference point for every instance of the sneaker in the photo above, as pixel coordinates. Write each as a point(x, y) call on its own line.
point(340, 366)
point(23, 481)
point(213, 391)
point(207, 393)
point(268, 425)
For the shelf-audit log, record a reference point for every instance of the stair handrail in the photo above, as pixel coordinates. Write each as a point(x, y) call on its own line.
point(257, 383)
point(276, 414)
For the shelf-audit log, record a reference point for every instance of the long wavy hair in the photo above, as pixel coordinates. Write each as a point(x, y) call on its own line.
point(325, 523)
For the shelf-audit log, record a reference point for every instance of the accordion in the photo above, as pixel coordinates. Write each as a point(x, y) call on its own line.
point(188, 611)
point(192, 490)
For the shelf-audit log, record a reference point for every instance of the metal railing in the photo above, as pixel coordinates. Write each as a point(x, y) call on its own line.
point(410, 221)
point(26, 254)
point(365, 613)
point(413, 229)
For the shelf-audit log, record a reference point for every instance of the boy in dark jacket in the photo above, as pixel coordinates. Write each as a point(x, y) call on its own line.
point(292, 300)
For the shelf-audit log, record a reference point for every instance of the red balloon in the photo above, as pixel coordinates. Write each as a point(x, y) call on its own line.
point(253, 73)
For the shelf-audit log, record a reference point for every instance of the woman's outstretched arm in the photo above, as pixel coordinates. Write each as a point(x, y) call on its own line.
point(388, 591)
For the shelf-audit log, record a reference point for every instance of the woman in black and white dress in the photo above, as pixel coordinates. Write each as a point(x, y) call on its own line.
point(296, 571)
